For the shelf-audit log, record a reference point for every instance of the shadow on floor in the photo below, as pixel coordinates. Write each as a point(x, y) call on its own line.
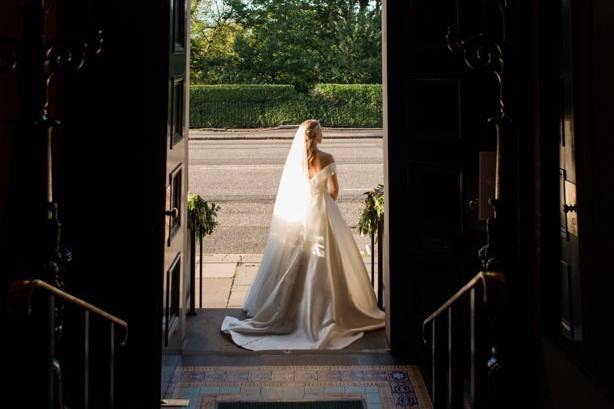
point(203, 335)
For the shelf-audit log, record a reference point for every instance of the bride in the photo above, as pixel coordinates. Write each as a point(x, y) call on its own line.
point(312, 289)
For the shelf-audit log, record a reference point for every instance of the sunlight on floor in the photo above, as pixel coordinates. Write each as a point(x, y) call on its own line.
point(227, 278)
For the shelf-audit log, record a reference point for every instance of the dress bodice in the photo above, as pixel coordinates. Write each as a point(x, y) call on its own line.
point(318, 181)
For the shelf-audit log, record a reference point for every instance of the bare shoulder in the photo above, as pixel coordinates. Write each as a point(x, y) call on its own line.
point(326, 158)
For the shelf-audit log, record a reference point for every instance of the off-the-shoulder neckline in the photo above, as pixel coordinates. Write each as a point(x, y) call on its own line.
point(318, 172)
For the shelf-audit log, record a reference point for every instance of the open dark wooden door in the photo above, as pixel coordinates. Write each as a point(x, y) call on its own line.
point(570, 312)
point(175, 238)
point(439, 96)
point(92, 118)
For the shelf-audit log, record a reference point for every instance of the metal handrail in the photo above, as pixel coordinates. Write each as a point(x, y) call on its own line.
point(492, 283)
point(27, 287)
point(480, 340)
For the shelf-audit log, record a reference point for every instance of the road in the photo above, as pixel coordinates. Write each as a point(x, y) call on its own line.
point(242, 176)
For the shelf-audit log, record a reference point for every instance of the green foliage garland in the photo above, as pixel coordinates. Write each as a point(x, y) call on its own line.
point(204, 214)
point(372, 212)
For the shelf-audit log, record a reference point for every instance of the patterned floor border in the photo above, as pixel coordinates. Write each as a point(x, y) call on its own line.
point(379, 386)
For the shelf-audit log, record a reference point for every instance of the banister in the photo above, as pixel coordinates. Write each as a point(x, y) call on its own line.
point(20, 287)
point(465, 343)
point(492, 283)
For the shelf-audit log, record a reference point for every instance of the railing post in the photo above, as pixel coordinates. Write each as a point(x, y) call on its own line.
point(434, 364)
point(200, 283)
point(372, 259)
point(472, 354)
point(440, 362)
point(86, 360)
point(450, 370)
point(456, 363)
point(380, 262)
point(479, 351)
point(112, 366)
point(59, 400)
point(193, 266)
point(51, 382)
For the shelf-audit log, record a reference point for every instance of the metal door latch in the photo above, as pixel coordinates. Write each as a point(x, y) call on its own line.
point(174, 212)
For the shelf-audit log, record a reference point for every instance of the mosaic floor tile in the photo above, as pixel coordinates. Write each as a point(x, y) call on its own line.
point(379, 387)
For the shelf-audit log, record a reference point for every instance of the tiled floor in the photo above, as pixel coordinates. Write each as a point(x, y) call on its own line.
point(211, 368)
point(379, 386)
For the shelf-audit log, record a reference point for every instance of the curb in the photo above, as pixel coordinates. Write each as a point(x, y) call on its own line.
point(273, 128)
point(247, 133)
point(260, 138)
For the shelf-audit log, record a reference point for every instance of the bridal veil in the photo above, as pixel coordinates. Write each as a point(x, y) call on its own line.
point(289, 225)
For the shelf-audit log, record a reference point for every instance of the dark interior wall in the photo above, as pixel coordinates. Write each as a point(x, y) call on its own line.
point(22, 209)
point(114, 184)
point(593, 34)
point(109, 175)
point(573, 374)
point(9, 116)
point(9, 28)
point(398, 307)
point(518, 145)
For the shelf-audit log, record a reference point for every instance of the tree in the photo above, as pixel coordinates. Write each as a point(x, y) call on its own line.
point(212, 55)
point(299, 42)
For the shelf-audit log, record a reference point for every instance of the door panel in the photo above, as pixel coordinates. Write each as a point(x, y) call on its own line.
point(570, 313)
point(177, 112)
point(175, 240)
point(432, 99)
point(436, 125)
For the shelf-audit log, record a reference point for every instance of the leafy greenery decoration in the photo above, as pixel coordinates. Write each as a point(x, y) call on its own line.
point(372, 212)
point(202, 214)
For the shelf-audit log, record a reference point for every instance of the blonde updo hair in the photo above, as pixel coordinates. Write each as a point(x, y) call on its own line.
point(311, 134)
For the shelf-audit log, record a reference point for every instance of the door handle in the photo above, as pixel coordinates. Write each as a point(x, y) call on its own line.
point(174, 212)
point(569, 208)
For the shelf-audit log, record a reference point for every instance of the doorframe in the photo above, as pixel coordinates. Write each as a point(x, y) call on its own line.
point(386, 238)
point(386, 136)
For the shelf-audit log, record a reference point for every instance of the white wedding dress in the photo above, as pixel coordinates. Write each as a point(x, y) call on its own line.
point(312, 289)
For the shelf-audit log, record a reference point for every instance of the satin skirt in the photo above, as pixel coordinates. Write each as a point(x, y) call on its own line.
point(313, 293)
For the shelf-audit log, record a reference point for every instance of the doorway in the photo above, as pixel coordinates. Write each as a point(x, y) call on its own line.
point(212, 158)
point(125, 140)
point(233, 253)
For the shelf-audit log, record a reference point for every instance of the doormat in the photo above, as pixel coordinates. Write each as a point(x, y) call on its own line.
point(378, 386)
point(330, 404)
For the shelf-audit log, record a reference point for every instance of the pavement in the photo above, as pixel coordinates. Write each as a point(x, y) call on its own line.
point(227, 278)
point(280, 132)
point(242, 176)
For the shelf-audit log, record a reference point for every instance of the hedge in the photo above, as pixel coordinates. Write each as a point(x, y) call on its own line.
point(349, 105)
point(247, 106)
